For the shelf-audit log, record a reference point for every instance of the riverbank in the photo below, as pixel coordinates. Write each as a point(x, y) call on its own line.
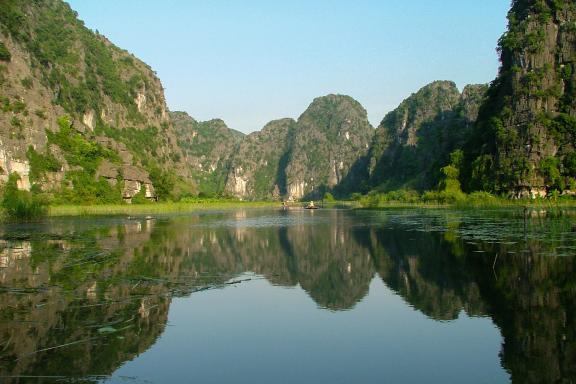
point(177, 207)
point(375, 204)
point(154, 208)
point(476, 200)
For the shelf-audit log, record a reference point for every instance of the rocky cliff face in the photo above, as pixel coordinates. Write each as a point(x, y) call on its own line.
point(259, 166)
point(51, 66)
point(295, 159)
point(207, 149)
point(331, 136)
point(414, 141)
point(524, 141)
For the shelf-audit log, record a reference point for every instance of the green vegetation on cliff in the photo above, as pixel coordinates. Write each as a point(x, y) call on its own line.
point(523, 143)
point(516, 137)
point(79, 65)
point(20, 205)
point(258, 168)
point(115, 105)
point(207, 148)
point(414, 142)
point(330, 148)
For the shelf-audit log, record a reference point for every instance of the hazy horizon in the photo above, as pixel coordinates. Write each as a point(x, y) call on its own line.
point(249, 62)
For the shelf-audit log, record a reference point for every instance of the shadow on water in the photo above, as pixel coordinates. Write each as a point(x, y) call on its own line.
point(80, 298)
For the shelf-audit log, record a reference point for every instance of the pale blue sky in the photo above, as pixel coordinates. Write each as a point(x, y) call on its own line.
point(252, 61)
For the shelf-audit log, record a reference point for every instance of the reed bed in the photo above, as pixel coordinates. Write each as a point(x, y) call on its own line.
point(154, 208)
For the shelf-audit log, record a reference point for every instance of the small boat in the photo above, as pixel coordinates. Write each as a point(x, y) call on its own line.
point(311, 206)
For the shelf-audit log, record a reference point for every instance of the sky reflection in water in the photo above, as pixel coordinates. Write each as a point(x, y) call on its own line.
point(273, 296)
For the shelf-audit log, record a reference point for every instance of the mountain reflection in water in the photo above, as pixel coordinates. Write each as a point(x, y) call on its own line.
point(81, 297)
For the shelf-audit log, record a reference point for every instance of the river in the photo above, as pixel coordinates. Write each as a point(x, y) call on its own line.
point(296, 296)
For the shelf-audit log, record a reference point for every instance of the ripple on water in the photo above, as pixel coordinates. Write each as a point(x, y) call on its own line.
point(266, 221)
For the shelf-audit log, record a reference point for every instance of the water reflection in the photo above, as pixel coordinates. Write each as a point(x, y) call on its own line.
point(80, 298)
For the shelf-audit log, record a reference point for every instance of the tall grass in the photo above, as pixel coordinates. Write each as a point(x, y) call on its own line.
point(154, 208)
point(459, 200)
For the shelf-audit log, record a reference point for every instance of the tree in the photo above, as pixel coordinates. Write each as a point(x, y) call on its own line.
point(21, 205)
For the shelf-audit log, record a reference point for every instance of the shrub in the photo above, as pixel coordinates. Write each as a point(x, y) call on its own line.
point(444, 197)
point(4, 53)
point(27, 82)
point(88, 190)
point(21, 205)
point(481, 197)
point(163, 183)
point(77, 150)
point(40, 164)
point(356, 196)
point(329, 197)
point(16, 122)
point(375, 199)
point(140, 197)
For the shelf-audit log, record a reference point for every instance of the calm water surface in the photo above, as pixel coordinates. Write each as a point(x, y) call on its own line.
point(261, 296)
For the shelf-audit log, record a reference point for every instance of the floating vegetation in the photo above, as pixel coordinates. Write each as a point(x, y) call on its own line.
point(506, 226)
point(103, 286)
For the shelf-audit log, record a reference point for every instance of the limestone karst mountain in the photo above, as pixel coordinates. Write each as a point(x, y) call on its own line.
point(415, 140)
point(258, 168)
point(332, 135)
point(82, 120)
point(524, 142)
point(117, 140)
point(307, 157)
point(207, 149)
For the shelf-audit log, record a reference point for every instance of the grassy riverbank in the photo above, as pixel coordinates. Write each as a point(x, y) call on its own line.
point(372, 201)
point(154, 208)
point(477, 200)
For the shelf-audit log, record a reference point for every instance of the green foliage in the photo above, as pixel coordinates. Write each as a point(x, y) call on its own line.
point(500, 154)
point(143, 143)
point(473, 200)
point(12, 19)
point(209, 185)
point(329, 197)
point(444, 197)
point(449, 190)
point(140, 197)
point(2, 74)
point(562, 128)
point(40, 164)
point(87, 190)
point(480, 198)
point(27, 82)
point(4, 53)
point(264, 180)
point(101, 63)
point(17, 106)
point(163, 182)
point(356, 196)
point(21, 205)
point(570, 163)
point(375, 199)
point(77, 150)
point(16, 122)
point(58, 42)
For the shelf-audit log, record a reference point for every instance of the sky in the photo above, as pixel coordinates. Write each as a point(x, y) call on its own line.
point(252, 61)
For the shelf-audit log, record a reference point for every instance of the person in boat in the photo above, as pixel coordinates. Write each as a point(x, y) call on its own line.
point(311, 205)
